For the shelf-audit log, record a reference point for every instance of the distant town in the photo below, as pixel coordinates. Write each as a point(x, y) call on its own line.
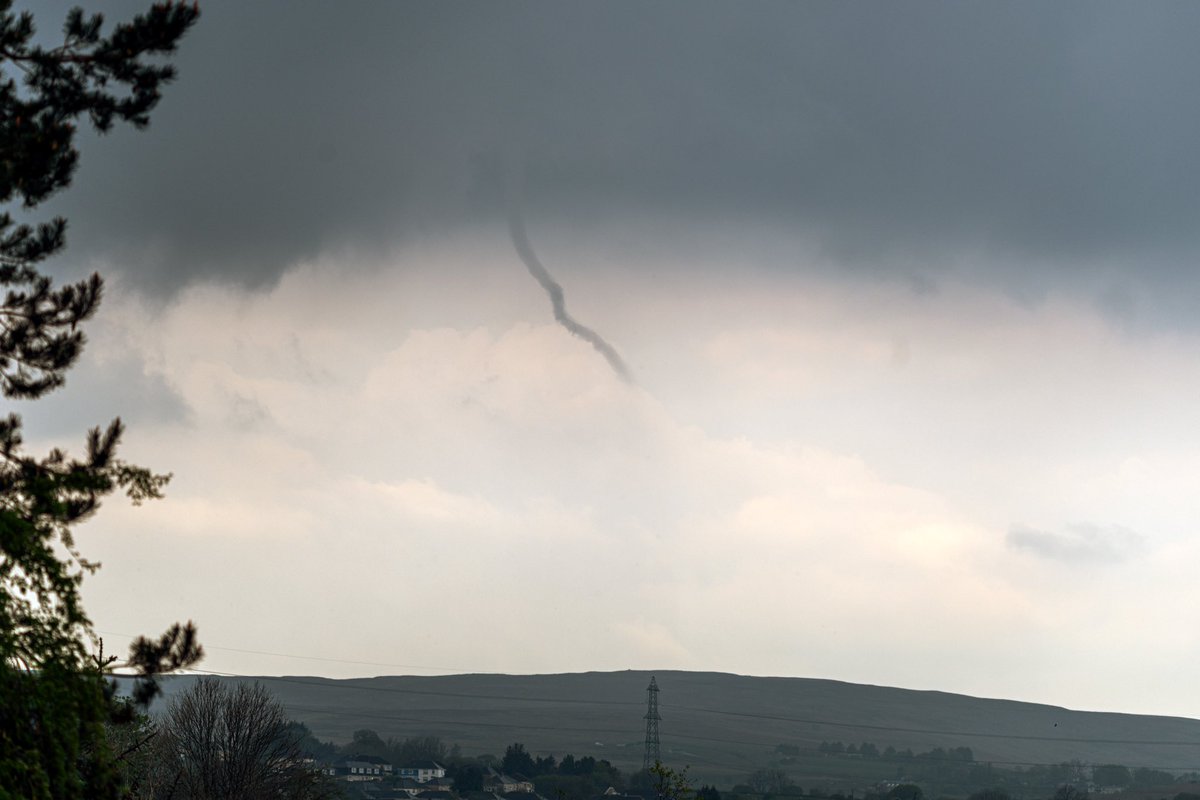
point(836, 771)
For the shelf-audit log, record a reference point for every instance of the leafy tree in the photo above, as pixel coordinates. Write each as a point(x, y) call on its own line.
point(565, 787)
point(419, 748)
point(365, 742)
point(310, 745)
point(964, 754)
point(587, 765)
point(770, 781)
point(707, 792)
point(466, 777)
point(670, 784)
point(1143, 776)
point(517, 761)
point(579, 779)
point(137, 746)
point(604, 774)
point(641, 783)
point(1111, 775)
point(54, 699)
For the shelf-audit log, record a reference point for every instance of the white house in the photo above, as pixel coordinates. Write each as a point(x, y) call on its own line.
point(422, 771)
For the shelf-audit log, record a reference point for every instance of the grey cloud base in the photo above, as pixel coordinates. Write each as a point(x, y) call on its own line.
point(924, 133)
point(1078, 544)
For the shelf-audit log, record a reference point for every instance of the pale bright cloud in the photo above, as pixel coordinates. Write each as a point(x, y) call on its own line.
point(823, 483)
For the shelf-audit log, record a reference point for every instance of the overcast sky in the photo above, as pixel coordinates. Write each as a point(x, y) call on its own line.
point(906, 293)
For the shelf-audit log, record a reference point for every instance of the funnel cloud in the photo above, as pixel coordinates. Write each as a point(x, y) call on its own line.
point(520, 240)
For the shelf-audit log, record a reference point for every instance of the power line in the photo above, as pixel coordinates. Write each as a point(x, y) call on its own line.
point(651, 755)
point(693, 709)
point(689, 737)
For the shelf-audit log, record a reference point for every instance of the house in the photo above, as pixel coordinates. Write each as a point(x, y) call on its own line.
point(612, 794)
point(499, 783)
point(378, 791)
point(360, 768)
point(422, 771)
point(523, 796)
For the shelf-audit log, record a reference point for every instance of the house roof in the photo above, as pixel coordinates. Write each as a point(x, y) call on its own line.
point(494, 775)
point(522, 796)
point(362, 759)
point(377, 792)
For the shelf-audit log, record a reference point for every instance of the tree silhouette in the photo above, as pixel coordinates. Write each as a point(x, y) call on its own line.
point(517, 760)
point(234, 742)
point(54, 700)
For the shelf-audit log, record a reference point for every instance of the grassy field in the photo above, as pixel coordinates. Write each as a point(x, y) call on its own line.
point(726, 726)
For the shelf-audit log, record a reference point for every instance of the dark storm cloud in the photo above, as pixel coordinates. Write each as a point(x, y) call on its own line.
point(1040, 132)
point(98, 392)
point(1078, 544)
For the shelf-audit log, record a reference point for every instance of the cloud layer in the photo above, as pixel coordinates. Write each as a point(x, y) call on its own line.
point(814, 479)
point(907, 291)
point(1054, 141)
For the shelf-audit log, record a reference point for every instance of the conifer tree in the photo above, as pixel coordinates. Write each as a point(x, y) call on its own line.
point(54, 698)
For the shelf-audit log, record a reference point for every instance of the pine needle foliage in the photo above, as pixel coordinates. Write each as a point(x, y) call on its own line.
point(55, 699)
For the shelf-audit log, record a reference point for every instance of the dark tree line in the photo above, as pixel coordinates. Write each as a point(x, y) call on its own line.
point(954, 771)
point(870, 750)
point(571, 778)
point(367, 742)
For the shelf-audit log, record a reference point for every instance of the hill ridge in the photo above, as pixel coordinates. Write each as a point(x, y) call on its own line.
point(726, 723)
